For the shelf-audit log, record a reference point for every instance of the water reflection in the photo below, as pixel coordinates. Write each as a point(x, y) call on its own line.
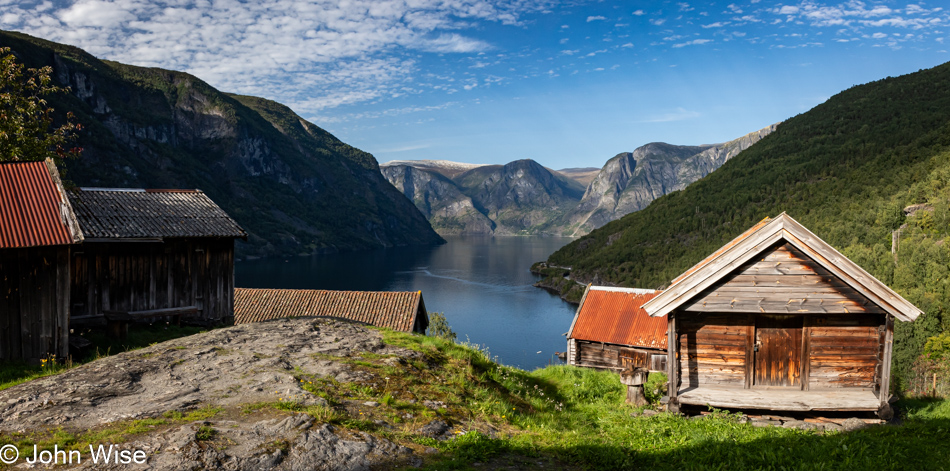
point(481, 284)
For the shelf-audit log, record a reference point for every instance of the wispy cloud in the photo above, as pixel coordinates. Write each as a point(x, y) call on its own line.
point(310, 54)
point(596, 18)
point(694, 42)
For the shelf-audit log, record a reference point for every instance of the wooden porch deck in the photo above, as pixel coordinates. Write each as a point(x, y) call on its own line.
point(782, 399)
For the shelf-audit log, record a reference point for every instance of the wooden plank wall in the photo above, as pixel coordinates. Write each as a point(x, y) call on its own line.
point(34, 303)
point(782, 280)
point(712, 348)
point(614, 357)
point(845, 351)
point(135, 276)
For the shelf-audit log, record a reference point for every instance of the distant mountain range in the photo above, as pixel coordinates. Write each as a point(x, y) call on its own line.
point(523, 197)
point(294, 187)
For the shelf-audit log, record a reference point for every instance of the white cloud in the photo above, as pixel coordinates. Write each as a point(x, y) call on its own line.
point(309, 54)
point(657, 21)
point(595, 18)
point(717, 24)
point(878, 35)
point(694, 42)
point(639, 13)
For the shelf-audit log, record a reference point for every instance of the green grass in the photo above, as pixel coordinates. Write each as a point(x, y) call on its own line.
point(558, 417)
point(577, 417)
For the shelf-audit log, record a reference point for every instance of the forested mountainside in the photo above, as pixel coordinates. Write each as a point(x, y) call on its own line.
point(523, 197)
point(868, 171)
point(293, 186)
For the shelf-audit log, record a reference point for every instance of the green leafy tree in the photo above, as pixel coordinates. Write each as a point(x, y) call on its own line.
point(439, 327)
point(27, 131)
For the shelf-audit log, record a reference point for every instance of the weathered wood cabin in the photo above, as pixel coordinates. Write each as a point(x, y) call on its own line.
point(152, 254)
point(779, 320)
point(398, 310)
point(37, 230)
point(612, 331)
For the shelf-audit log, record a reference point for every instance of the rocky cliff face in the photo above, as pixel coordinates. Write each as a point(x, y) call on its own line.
point(294, 187)
point(439, 199)
point(632, 180)
point(517, 198)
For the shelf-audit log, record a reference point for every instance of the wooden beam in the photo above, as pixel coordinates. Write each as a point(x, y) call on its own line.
point(806, 352)
point(886, 362)
point(672, 362)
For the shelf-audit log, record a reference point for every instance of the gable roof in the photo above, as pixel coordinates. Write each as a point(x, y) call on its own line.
point(760, 238)
point(109, 213)
point(34, 210)
point(396, 310)
point(615, 315)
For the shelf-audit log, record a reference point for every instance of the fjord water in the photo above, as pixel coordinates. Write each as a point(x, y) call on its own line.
point(482, 284)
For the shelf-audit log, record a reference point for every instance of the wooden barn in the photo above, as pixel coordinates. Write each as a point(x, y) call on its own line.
point(37, 230)
point(779, 320)
point(403, 311)
point(612, 331)
point(152, 254)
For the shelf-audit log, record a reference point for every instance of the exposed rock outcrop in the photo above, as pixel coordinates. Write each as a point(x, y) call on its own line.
point(228, 369)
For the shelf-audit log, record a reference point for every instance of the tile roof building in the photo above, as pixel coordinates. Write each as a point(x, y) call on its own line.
point(153, 253)
point(403, 311)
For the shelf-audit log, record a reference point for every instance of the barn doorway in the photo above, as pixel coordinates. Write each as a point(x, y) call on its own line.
point(778, 350)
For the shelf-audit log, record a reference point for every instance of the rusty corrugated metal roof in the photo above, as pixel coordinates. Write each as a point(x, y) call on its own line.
point(614, 315)
point(33, 208)
point(110, 213)
point(396, 310)
point(722, 249)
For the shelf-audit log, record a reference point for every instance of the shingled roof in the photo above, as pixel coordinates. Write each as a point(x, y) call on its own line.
point(398, 310)
point(34, 210)
point(133, 213)
point(615, 316)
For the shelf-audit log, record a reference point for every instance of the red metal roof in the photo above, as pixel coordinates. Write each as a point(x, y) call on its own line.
point(33, 208)
point(614, 315)
point(396, 310)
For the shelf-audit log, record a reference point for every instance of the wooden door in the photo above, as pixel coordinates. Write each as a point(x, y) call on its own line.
point(778, 350)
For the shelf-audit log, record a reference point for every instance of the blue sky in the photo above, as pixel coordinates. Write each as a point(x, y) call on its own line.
point(569, 84)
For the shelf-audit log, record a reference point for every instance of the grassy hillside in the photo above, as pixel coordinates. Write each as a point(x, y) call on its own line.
point(497, 417)
point(846, 169)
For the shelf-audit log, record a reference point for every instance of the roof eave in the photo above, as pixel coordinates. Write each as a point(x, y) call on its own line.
point(783, 227)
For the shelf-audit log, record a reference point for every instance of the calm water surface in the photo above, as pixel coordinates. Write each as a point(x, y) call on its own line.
point(481, 284)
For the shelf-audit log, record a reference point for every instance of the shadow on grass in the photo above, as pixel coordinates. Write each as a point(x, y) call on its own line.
point(680, 443)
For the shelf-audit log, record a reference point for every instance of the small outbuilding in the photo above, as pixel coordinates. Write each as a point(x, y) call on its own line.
point(403, 311)
point(612, 331)
point(37, 231)
point(779, 320)
point(152, 254)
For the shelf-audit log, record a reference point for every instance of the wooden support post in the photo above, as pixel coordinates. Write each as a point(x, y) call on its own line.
point(635, 378)
point(672, 363)
point(885, 412)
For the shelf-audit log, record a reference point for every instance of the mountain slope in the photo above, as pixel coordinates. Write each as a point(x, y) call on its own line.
point(516, 198)
point(868, 171)
point(293, 186)
point(631, 180)
point(441, 201)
